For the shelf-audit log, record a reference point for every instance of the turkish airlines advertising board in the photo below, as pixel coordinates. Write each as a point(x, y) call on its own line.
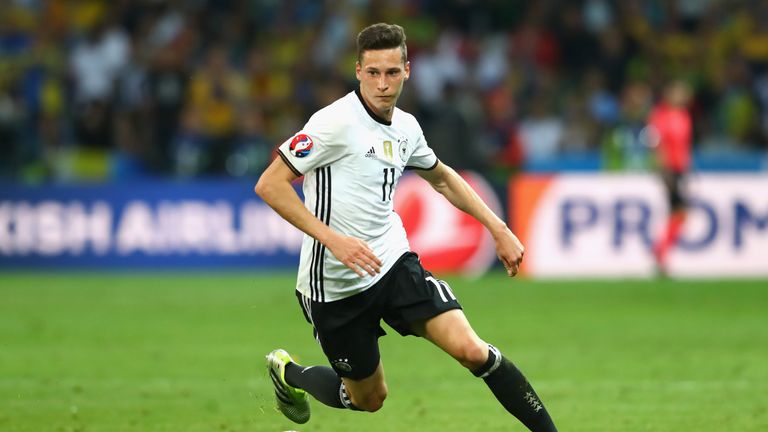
point(159, 224)
point(208, 224)
point(602, 225)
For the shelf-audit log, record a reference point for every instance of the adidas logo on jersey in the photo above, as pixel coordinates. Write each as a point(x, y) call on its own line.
point(371, 153)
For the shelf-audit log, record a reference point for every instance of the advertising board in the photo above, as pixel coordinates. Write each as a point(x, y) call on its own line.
point(604, 225)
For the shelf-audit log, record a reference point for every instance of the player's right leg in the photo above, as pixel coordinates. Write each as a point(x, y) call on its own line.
point(325, 385)
point(367, 394)
point(291, 400)
point(321, 382)
point(348, 333)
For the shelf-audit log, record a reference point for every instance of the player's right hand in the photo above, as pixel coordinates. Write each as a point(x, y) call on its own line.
point(355, 254)
point(509, 250)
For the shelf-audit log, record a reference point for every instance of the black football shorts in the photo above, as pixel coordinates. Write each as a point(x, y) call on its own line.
point(348, 329)
point(674, 185)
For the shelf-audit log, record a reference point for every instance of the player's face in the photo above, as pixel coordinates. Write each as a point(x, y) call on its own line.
point(382, 74)
point(679, 95)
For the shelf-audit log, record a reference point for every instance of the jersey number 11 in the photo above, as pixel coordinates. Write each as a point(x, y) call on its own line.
point(389, 181)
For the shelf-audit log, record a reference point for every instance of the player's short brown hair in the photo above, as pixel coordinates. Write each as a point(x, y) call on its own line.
point(381, 36)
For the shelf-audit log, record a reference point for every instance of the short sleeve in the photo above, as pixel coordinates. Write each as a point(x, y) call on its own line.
point(423, 157)
point(318, 144)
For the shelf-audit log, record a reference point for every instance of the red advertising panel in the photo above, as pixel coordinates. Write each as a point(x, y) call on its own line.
point(446, 239)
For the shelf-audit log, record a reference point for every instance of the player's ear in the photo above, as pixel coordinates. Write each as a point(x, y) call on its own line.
point(407, 70)
point(358, 69)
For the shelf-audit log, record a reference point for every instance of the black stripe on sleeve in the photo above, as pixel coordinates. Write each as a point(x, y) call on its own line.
point(411, 167)
point(288, 162)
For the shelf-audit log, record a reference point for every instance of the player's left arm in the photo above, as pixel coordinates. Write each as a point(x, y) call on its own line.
point(446, 181)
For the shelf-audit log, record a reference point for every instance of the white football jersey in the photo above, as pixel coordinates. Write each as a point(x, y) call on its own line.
point(351, 160)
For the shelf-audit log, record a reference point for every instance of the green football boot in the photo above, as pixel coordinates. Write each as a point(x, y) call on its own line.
point(291, 401)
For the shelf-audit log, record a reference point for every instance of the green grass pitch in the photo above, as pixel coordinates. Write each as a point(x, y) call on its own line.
point(163, 352)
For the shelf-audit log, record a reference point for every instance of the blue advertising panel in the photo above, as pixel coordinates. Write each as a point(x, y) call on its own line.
point(152, 224)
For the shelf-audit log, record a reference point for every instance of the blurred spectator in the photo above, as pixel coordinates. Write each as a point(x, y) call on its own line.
point(602, 103)
point(439, 66)
point(502, 134)
point(216, 94)
point(16, 83)
point(10, 134)
point(737, 110)
point(95, 63)
point(449, 132)
point(625, 145)
point(578, 48)
point(541, 129)
point(130, 134)
point(616, 53)
point(167, 41)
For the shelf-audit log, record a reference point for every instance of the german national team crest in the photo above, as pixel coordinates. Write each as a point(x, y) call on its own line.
point(342, 365)
point(402, 150)
point(301, 145)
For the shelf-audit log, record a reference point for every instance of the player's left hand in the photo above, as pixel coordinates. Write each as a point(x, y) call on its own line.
point(509, 250)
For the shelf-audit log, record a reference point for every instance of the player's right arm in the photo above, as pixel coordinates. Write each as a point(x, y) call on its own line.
point(459, 193)
point(275, 188)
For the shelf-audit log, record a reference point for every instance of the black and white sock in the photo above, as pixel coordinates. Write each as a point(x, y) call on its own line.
point(321, 382)
point(514, 392)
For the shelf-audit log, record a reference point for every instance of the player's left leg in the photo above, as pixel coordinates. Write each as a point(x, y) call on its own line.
point(673, 184)
point(453, 334)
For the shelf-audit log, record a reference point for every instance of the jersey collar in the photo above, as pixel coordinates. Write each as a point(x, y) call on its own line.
point(370, 111)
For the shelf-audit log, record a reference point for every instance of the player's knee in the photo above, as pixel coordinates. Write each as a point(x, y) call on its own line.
point(473, 354)
point(372, 401)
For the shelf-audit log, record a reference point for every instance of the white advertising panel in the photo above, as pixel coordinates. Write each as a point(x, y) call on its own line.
point(603, 225)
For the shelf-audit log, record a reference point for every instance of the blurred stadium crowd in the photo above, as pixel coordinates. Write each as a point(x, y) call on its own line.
point(119, 89)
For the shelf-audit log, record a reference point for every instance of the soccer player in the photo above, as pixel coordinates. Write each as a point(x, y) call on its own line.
point(670, 123)
point(356, 267)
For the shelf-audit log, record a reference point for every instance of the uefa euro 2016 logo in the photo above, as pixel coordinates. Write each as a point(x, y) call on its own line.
point(301, 145)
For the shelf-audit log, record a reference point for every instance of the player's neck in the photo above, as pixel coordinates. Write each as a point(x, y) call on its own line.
point(384, 117)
